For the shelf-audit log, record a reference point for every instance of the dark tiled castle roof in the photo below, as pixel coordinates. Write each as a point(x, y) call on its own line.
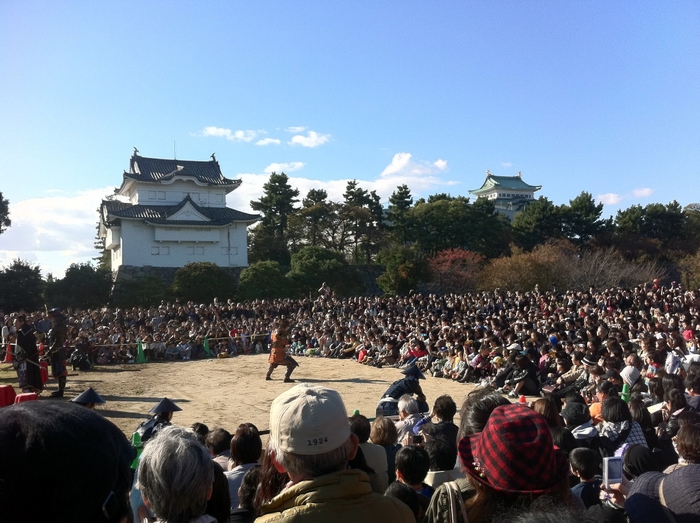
point(159, 214)
point(156, 169)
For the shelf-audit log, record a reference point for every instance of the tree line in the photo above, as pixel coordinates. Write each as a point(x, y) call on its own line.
point(441, 243)
point(416, 240)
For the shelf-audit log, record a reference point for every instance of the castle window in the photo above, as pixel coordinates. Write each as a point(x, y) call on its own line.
point(155, 251)
point(151, 195)
point(200, 251)
point(190, 251)
point(165, 251)
point(161, 195)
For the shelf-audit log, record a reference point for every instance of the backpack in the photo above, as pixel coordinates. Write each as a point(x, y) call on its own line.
point(150, 428)
point(447, 503)
point(607, 447)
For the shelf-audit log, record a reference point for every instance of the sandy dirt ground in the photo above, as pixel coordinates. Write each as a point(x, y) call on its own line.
point(227, 392)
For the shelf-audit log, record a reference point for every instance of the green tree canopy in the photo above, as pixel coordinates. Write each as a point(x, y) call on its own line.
point(276, 203)
point(202, 282)
point(312, 266)
point(400, 202)
point(581, 219)
point(538, 223)
point(84, 286)
point(21, 286)
point(263, 280)
point(5, 221)
point(404, 266)
point(141, 293)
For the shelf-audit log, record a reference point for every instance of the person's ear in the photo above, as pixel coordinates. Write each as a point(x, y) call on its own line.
point(278, 467)
point(355, 445)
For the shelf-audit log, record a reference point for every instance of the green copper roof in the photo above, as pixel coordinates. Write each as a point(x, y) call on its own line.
point(504, 182)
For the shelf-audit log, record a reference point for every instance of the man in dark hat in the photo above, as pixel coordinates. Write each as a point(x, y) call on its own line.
point(163, 415)
point(388, 405)
point(57, 351)
point(26, 359)
point(88, 398)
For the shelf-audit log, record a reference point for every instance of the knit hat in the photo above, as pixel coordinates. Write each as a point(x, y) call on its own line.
point(308, 420)
point(575, 414)
point(629, 375)
point(678, 491)
point(83, 457)
point(514, 453)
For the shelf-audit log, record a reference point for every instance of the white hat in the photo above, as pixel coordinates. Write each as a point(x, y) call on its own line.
point(630, 375)
point(308, 420)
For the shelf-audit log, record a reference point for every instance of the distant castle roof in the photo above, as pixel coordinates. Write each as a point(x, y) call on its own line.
point(159, 214)
point(514, 183)
point(157, 170)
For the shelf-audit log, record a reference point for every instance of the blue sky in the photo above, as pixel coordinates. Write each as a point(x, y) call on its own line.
point(596, 96)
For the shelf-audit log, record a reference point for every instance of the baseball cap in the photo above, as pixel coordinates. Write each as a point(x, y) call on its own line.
point(308, 420)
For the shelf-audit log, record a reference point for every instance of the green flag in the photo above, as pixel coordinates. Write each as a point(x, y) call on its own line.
point(206, 347)
point(141, 357)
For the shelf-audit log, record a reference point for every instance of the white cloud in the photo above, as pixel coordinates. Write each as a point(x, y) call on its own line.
point(440, 164)
point(53, 231)
point(609, 198)
point(642, 193)
point(268, 141)
point(404, 164)
point(296, 129)
point(234, 136)
point(506, 165)
point(284, 167)
point(312, 139)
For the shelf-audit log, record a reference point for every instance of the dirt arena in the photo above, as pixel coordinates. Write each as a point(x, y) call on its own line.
point(226, 392)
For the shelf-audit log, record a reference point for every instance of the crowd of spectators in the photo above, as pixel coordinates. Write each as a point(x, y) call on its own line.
point(470, 338)
point(618, 372)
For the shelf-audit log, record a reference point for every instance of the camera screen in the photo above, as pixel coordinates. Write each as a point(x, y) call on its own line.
point(614, 467)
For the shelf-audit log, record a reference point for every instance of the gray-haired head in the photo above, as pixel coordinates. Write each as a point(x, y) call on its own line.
point(176, 474)
point(408, 404)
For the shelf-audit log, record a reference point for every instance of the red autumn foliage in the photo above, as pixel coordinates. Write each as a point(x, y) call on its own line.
point(454, 270)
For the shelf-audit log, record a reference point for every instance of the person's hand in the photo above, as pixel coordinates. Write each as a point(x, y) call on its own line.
point(616, 492)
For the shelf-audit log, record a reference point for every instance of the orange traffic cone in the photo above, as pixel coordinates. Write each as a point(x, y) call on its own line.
point(8, 354)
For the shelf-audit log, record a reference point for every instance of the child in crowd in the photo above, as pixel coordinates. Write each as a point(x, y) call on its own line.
point(585, 465)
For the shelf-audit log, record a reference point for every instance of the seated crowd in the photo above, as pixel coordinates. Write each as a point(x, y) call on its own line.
point(511, 340)
point(618, 373)
point(503, 462)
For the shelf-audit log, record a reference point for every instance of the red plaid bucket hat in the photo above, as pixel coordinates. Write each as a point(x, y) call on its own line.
point(514, 453)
